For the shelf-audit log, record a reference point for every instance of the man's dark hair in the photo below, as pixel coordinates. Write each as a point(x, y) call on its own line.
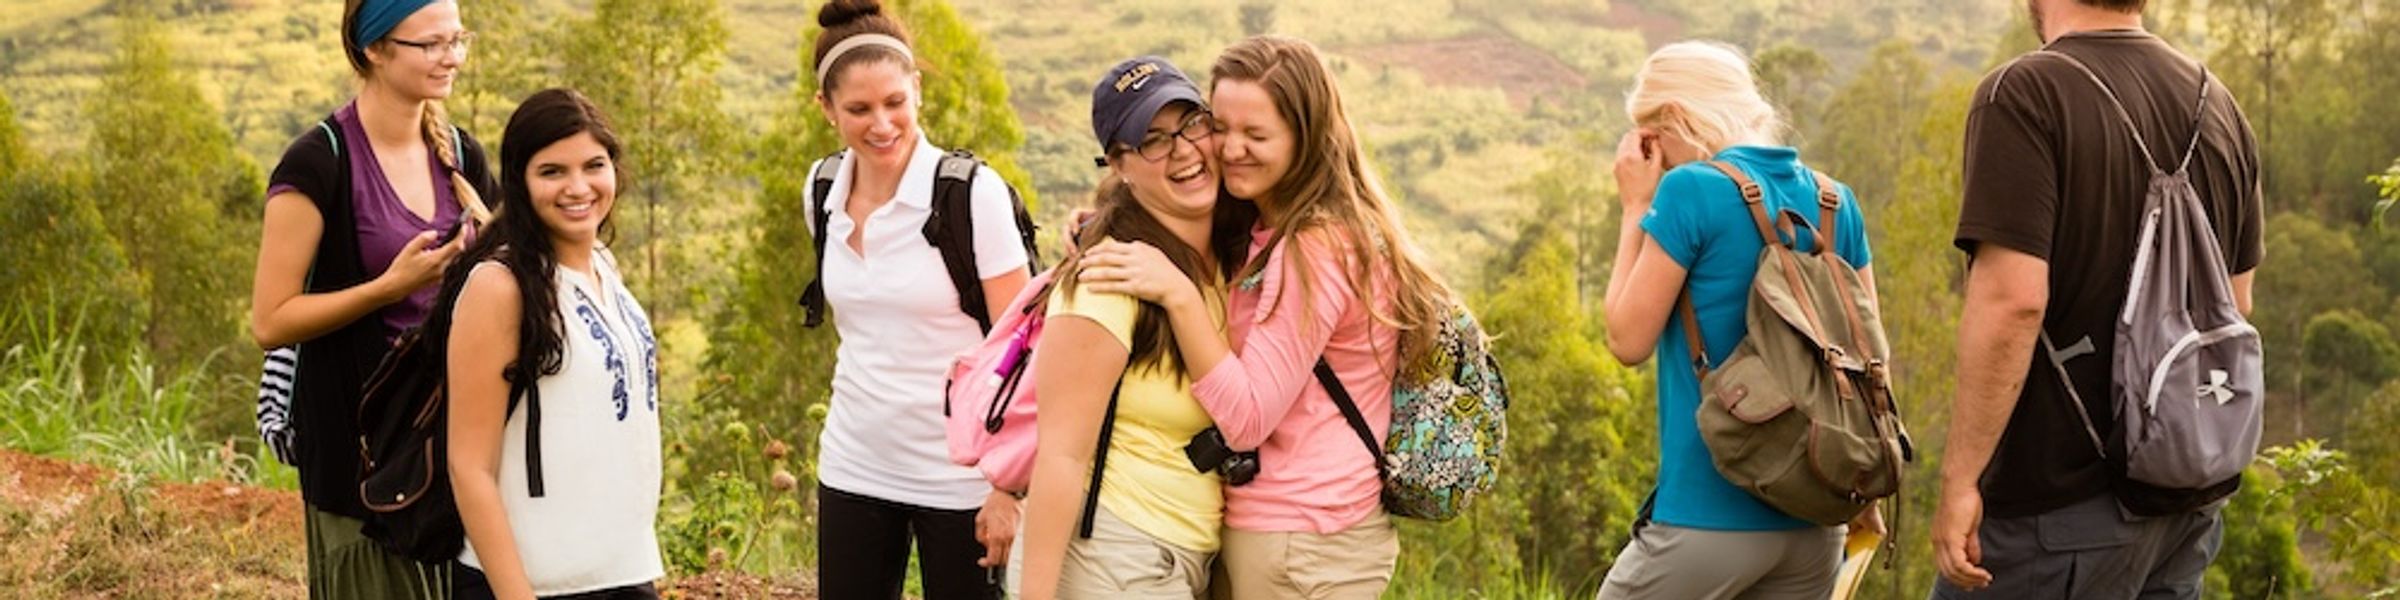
point(2123, 6)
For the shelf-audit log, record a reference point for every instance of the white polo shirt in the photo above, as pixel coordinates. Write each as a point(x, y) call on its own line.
point(901, 326)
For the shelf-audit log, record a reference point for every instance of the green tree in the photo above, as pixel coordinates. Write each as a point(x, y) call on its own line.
point(2308, 73)
point(2310, 268)
point(2349, 356)
point(62, 260)
point(655, 73)
point(175, 192)
point(514, 56)
point(2377, 456)
point(2259, 555)
point(1794, 77)
point(1855, 143)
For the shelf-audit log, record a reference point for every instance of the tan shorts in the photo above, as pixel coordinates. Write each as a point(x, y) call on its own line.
point(1120, 562)
point(1668, 562)
point(1352, 563)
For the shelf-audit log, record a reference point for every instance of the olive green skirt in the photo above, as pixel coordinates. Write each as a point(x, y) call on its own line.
point(344, 564)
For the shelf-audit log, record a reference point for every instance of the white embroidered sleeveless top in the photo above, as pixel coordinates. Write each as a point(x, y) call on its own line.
point(595, 526)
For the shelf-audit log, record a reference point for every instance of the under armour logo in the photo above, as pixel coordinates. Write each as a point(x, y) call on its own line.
point(2216, 386)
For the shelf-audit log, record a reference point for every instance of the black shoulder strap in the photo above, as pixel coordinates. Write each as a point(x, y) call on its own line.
point(951, 230)
point(1350, 412)
point(532, 393)
point(820, 185)
point(1091, 495)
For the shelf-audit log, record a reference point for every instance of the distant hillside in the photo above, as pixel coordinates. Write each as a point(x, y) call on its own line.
point(1447, 93)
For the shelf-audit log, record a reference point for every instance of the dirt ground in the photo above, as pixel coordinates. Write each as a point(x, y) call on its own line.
point(79, 531)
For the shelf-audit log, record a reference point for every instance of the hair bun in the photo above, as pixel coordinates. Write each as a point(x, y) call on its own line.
point(842, 12)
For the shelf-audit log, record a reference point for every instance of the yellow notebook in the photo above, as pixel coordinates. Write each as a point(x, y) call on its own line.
point(1858, 555)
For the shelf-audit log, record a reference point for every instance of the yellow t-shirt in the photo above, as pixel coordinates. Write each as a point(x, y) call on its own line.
point(1149, 482)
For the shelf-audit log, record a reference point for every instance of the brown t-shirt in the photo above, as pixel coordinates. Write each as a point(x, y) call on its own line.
point(2052, 171)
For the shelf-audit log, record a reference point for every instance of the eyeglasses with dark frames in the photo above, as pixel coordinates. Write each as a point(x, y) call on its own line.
point(1197, 126)
point(434, 49)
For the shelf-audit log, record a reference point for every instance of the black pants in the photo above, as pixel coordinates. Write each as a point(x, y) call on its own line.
point(863, 545)
point(466, 583)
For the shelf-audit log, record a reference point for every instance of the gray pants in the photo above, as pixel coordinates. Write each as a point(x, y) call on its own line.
point(2091, 550)
point(1668, 562)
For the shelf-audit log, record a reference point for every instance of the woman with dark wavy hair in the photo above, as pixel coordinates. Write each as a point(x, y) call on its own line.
point(542, 305)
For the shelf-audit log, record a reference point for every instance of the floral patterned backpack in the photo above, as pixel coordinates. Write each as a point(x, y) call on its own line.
point(1449, 420)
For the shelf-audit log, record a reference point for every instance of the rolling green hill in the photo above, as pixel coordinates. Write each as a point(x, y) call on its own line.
point(1448, 93)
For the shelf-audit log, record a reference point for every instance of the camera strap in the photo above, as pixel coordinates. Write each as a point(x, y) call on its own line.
point(1108, 427)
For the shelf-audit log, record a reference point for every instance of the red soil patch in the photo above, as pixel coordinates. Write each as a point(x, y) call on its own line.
point(272, 512)
point(1482, 61)
point(57, 486)
point(243, 519)
point(44, 486)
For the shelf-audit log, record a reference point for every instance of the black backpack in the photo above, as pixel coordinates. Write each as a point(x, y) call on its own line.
point(951, 229)
point(404, 440)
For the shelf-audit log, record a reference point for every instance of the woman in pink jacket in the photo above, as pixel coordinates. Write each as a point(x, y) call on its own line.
point(1332, 280)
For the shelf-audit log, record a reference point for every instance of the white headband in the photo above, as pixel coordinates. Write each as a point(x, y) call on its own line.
point(858, 41)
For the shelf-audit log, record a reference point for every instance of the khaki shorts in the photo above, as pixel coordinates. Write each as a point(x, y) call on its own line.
point(1352, 563)
point(1119, 561)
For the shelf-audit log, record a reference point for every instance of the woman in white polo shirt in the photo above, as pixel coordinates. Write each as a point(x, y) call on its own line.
point(884, 475)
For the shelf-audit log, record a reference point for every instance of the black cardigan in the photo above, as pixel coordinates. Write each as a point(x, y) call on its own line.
point(334, 366)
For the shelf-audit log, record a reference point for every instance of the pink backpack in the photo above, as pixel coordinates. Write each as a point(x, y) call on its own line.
point(989, 402)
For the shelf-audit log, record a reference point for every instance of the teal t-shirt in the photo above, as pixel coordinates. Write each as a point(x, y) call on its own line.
point(1699, 218)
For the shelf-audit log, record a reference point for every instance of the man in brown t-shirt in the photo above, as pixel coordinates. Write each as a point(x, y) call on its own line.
point(2054, 187)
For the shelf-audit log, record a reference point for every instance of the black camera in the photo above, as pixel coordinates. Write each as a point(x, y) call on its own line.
point(1209, 452)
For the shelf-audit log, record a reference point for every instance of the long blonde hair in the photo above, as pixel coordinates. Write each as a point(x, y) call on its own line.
point(1702, 93)
point(1330, 186)
point(436, 121)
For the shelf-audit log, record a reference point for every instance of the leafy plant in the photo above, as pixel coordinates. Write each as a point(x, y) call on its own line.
point(2389, 184)
point(2358, 517)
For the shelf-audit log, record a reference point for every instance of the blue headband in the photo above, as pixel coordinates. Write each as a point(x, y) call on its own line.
point(376, 18)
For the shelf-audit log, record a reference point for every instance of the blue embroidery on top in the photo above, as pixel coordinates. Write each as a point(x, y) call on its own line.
point(641, 327)
point(608, 349)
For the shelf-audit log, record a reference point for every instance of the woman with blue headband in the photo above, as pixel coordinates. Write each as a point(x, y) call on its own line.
point(363, 213)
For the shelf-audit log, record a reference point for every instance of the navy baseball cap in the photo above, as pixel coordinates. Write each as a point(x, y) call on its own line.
point(1125, 100)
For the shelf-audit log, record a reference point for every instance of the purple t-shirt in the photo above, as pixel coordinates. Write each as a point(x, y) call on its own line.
point(384, 223)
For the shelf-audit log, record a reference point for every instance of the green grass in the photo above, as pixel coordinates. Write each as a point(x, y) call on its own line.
point(115, 408)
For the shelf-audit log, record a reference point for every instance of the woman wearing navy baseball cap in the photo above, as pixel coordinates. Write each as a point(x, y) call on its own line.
point(1122, 419)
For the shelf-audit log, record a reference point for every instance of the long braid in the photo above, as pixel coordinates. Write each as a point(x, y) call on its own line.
point(437, 128)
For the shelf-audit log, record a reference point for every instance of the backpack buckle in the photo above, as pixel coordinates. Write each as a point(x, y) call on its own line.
point(1840, 359)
